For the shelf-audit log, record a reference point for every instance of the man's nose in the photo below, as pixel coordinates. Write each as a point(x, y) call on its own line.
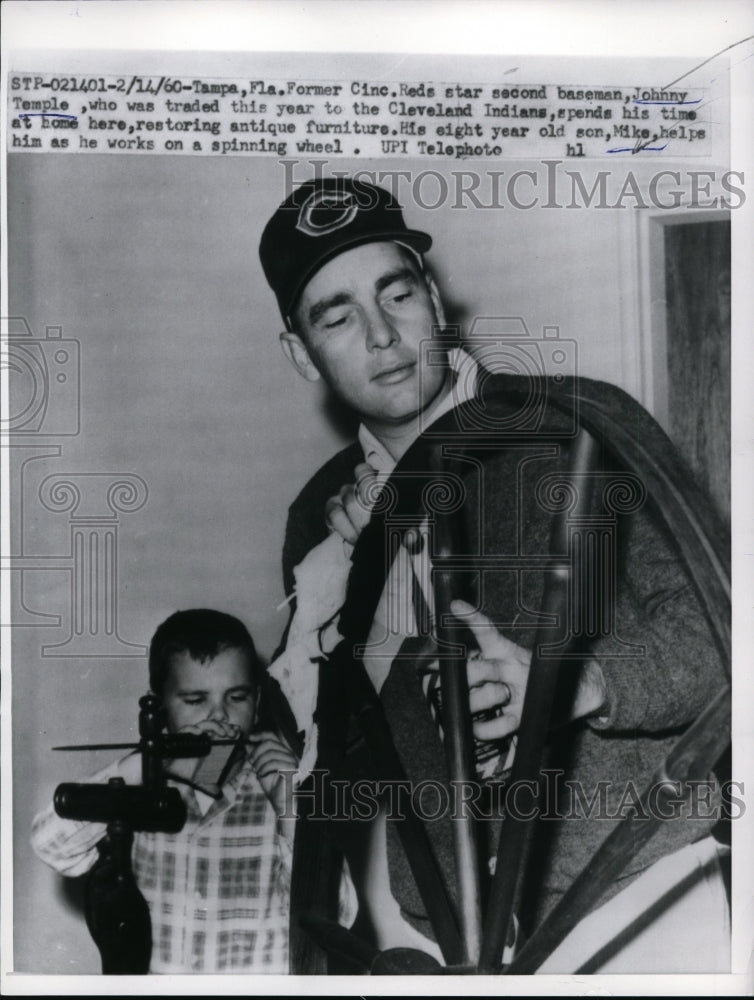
point(380, 331)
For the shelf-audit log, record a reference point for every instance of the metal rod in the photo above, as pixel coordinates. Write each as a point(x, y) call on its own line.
point(457, 734)
point(410, 828)
point(337, 940)
point(692, 758)
point(202, 745)
point(102, 746)
point(150, 730)
point(515, 835)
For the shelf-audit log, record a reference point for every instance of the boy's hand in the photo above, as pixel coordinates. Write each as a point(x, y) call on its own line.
point(270, 755)
point(186, 767)
point(129, 768)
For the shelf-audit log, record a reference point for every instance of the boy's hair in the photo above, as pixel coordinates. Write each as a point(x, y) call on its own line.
point(202, 633)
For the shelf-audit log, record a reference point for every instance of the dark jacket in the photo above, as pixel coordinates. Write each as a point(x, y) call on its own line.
point(654, 645)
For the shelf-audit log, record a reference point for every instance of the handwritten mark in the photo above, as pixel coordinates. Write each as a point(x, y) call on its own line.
point(704, 62)
point(640, 146)
point(633, 149)
point(46, 114)
point(638, 100)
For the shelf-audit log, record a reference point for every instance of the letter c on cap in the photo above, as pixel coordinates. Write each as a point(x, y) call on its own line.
point(333, 200)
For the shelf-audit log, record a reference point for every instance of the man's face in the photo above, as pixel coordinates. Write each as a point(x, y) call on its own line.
point(218, 690)
point(361, 322)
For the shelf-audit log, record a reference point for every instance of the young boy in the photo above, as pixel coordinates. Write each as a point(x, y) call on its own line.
point(217, 891)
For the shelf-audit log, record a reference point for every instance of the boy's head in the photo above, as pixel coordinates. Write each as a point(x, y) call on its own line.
point(203, 666)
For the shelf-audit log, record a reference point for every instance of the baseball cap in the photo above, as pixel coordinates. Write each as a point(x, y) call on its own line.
point(321, 219)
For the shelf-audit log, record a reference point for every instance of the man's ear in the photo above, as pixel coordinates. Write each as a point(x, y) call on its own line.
point(295, 350)
point(434, 294)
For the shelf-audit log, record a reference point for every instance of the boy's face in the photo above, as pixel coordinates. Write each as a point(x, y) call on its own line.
point(220, 690)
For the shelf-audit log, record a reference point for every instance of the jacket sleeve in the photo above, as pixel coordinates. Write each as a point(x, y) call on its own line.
point(661, 664)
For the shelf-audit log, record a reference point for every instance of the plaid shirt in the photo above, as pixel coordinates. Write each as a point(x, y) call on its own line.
point(218, 891)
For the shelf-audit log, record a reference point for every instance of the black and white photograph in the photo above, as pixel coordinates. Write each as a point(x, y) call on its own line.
point(376, 498)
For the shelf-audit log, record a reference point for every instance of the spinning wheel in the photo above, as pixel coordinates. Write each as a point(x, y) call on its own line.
point(588, 421)
point(117, 914)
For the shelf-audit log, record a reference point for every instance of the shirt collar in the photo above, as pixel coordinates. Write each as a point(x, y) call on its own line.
point(465, 370)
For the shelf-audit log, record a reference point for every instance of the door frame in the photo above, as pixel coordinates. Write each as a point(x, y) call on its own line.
point(644, 334)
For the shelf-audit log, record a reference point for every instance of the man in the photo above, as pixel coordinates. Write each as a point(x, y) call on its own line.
point(363, 313)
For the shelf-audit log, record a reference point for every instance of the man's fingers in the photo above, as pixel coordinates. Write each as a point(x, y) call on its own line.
point(364, 469)
point(497, 729)
point(479, 671)
point(338, 520)
point(489, 695)
point(349, 511)
point(355, 507)
point(491, 643)
point(366, 480)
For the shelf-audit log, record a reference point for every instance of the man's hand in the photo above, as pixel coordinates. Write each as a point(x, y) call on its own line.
point(349, 511)
point(270, 755)
point(498, 676)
